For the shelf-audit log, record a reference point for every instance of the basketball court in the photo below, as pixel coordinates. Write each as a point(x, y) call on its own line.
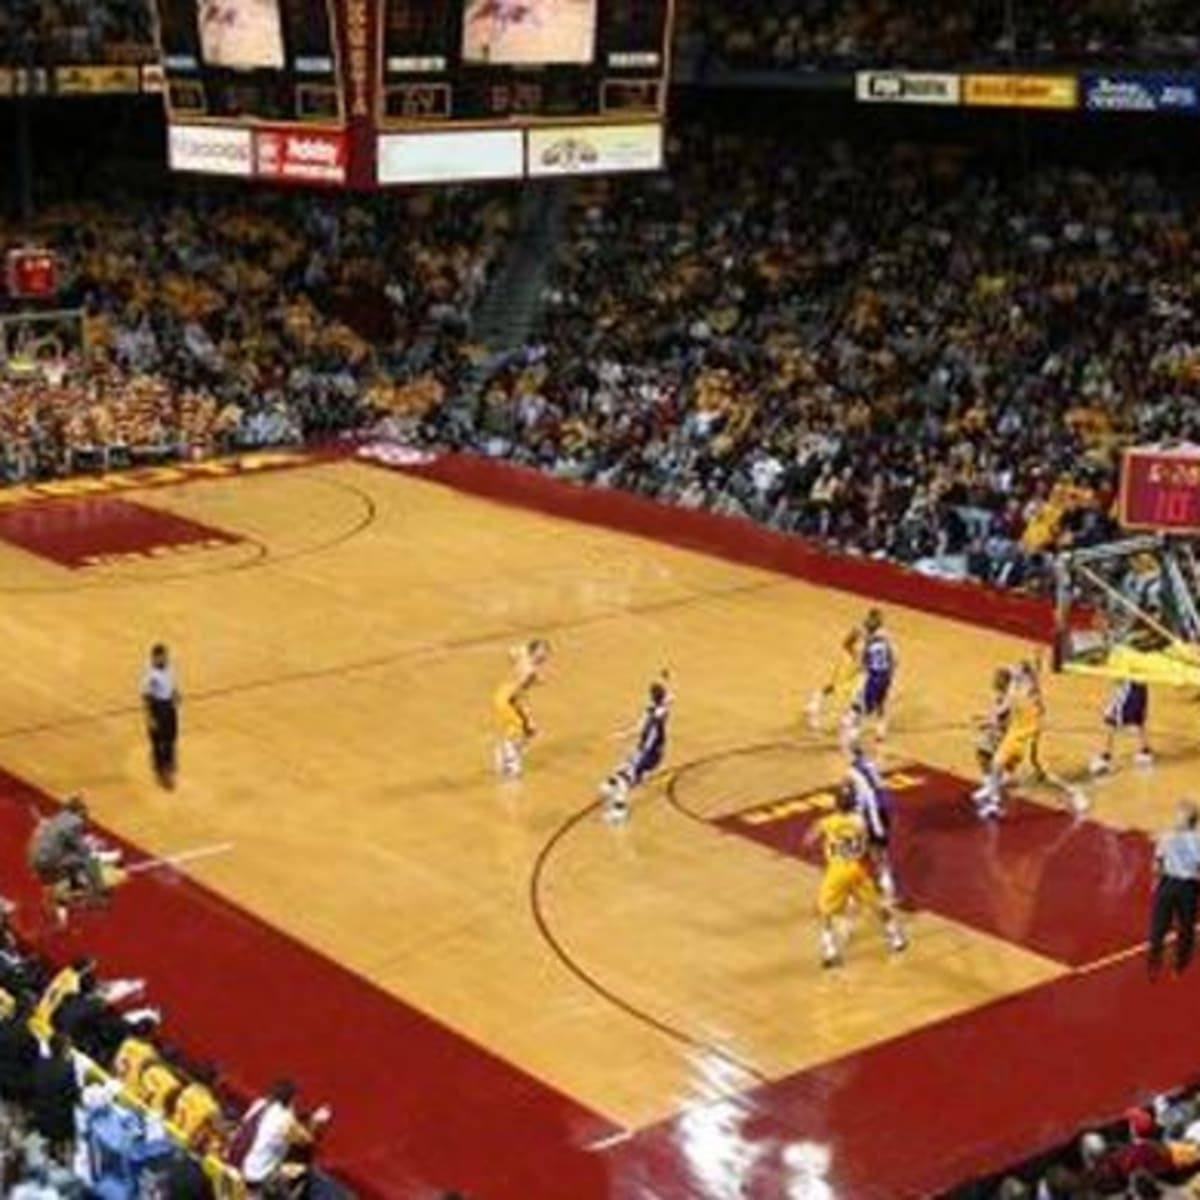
point(496, 990)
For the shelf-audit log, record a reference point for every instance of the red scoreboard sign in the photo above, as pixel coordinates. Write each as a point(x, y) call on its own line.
point(1160, 490)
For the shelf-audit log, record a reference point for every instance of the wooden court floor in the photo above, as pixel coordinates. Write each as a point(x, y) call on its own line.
point(337, 660)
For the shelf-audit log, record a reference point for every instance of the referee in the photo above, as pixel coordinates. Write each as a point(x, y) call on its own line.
point(160, 696)
point(1177, 859)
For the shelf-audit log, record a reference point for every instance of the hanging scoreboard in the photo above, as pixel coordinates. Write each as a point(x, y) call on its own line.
point(371, 93)
point(256, 60)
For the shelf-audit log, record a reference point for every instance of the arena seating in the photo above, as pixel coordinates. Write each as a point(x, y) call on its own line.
point(53, 32)
point(216, 321)
point(909, 359)
point(762, 33)
point(806, 34)
point(126, 1135)
point(1151, 1152)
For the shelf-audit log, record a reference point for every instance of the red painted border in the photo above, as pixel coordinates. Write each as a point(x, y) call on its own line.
point(739, 540)
point(418, 1108)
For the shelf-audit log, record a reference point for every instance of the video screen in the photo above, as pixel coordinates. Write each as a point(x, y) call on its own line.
point(241, 35)
point(529, 32)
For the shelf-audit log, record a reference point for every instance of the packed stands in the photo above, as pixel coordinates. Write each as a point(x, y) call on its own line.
point(54, 32)
point(92, 1101)
point(221, 320)
point(1152, 1152)
point(939, 33)
point(930, 362)
point(785, 35)
point(914, 358)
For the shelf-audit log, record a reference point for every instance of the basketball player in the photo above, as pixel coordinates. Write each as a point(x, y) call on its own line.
point(160, 700)
point(646, 757)
point(993, 725)
point(514, 726)
point(877, 666)
point(875, 807)
point(71, 866)
point(1016, 719)
point(1020, 713)
point(843, 682)
point(1128, 708)
point(848, 878)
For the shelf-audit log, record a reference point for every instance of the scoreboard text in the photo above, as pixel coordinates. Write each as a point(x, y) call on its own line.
point(1160, 490)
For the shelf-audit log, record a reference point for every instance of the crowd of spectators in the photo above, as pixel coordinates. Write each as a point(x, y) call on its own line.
point(905, 354)
point(1153, 1153)
point(783, 34)
point(73, 32)
point(900, 353)
point(74, 1053)
point(804, 34)
point(214, 320)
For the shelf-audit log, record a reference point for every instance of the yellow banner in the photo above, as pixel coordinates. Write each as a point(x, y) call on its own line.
point(1022, 91)
point(97, 81)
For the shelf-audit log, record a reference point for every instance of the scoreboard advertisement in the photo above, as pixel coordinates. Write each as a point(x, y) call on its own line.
point(368, 93)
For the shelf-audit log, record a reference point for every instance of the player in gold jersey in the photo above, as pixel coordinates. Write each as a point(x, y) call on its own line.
point(514, 725)
point(848, 877)
point(1013, 732)
point(844, 681)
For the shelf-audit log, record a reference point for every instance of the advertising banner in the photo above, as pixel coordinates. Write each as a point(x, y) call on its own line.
point(97, 81)
point(153, 80)
point(907, 87)
point(1022, 91)
point(595, 149)
point(1142, 92)
point(300, 155)
point(441, 157)
point(211, 150)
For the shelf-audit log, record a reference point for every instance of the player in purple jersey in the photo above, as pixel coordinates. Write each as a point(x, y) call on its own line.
point(646, 757)
point(874, 805)
point(1128, 708)
point(878, 662)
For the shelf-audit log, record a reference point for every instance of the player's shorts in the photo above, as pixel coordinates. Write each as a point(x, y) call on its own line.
point(1015, 747)
point(846, 680)
point(879, 825)
point(509, 722)
point(1129, 706)
point(842, 883)
point(873, 693)
point(640, 765)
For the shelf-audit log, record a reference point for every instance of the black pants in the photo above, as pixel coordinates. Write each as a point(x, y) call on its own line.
point(164, 733)
point(1174, 906)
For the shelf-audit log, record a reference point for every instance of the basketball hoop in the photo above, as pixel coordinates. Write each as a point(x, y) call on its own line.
point(1130, 610)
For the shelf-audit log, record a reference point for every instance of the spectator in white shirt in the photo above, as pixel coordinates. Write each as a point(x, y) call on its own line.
point(270, 1135)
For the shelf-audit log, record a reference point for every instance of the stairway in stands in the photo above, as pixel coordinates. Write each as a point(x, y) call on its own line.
point(507, 315)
